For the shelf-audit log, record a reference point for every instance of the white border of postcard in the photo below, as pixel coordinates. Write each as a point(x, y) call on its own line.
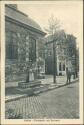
point(37, 121)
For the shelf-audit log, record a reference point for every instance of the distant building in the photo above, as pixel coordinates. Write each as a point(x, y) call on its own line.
point(65, 55)
point(22, 37)
point(60, 60)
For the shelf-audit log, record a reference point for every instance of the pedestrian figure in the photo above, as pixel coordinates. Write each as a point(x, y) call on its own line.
point(31, 75)
point(27, 77)
point(68, 73)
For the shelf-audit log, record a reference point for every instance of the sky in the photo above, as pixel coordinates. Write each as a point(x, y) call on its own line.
point(69, 13)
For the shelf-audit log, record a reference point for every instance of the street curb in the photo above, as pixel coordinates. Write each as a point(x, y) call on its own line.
point(26, 95)
point(58, 86)
point(14, 99)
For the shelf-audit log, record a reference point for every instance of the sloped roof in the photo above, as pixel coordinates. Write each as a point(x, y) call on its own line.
point(21, 17)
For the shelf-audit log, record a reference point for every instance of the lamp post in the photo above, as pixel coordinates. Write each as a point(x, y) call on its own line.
point(54, 62)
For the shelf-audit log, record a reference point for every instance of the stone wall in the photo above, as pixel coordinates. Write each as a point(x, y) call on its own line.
point(16, 69)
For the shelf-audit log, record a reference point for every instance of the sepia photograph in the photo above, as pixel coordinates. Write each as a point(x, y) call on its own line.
point(41, 56)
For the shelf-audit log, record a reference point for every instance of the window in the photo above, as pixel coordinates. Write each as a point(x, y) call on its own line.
point(50, 53)
point(11, 45)
point(32, 49)
point(63, 67)
point(60, 68)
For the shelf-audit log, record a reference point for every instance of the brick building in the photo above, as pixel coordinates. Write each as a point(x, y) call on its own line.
point(22, 37)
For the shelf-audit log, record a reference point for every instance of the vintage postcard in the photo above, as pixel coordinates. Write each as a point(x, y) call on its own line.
point(41, 62)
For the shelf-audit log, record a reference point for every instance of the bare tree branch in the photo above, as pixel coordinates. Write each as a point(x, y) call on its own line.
point(54, 25)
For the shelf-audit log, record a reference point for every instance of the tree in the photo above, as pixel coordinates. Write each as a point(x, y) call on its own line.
point(72, 52)
point(53, 26)
point(53, 29)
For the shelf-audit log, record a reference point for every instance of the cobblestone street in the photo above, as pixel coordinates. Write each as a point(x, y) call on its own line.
point(61, 103)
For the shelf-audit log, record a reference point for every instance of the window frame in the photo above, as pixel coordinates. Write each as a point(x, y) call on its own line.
point(31, 49)
point(11, 46)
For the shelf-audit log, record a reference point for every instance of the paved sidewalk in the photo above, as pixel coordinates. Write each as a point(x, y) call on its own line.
point(48, 80)
point(12, 93)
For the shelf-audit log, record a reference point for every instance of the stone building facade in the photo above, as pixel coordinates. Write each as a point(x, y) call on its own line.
point(22, 37)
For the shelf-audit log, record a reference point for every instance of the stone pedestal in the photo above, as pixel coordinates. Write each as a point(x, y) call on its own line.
point(30, 84)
